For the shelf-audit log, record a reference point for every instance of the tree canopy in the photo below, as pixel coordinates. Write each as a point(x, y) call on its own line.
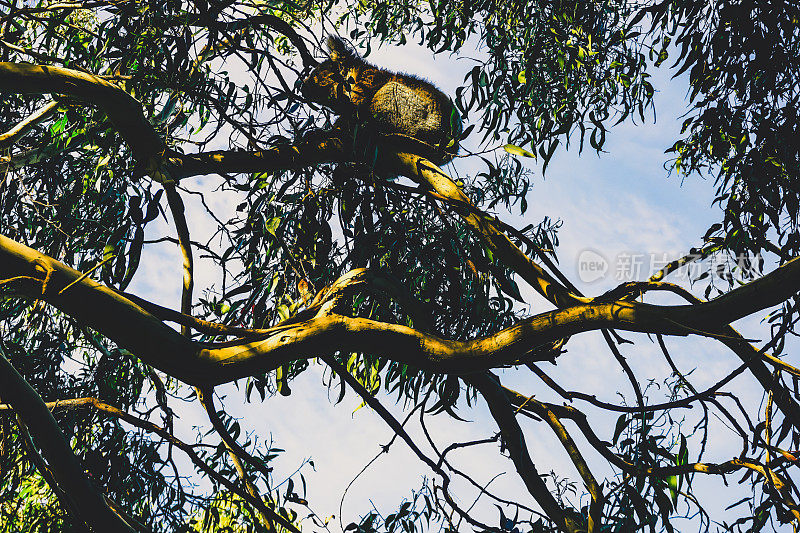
point(392, 273)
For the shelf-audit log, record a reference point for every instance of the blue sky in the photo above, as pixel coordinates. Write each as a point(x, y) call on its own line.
point(620, 202)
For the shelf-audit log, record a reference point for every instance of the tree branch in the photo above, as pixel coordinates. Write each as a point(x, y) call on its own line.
point(271, 21)
point(67, 469)
point(236, 453)
point(424, 172)
point(749, 354)
point(146, 425)
point(500, 407)
point(14, 134)
point(315, 149)
point(124, 111)
point(134, 328)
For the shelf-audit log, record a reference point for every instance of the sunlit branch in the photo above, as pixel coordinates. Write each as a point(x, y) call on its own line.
point(594, 488)
point(694, 255)
point(184, 242)
point(14, 134)
point(426, 173)
point(134, 328)
point(122, 109)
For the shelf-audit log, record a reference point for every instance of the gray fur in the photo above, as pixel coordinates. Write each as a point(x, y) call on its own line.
point(411, 113)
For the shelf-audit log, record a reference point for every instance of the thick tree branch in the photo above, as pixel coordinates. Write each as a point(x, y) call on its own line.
point(67, 470)
point(134, 328)
point(313, 150)
point(102, 309)
point(41, 465)
point(124, 111)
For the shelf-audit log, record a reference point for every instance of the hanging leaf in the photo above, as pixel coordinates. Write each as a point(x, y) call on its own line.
point(518, 151)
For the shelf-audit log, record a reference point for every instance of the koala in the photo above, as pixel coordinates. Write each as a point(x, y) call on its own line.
point(408, 114)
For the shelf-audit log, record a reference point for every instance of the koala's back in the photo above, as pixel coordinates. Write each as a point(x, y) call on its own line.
point(413, 113)
point(417, 111)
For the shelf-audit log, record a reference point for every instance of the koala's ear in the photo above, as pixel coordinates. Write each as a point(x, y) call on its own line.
point(339, 50)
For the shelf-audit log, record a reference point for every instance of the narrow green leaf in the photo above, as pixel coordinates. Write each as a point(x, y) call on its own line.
point(513, 149)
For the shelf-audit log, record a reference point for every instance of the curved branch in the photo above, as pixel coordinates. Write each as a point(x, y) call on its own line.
point(424, 172)
point(178, 210)
point(124, 111)
point(134, 328)
point(594, 488)
point(271, 21)
point(236, 453)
